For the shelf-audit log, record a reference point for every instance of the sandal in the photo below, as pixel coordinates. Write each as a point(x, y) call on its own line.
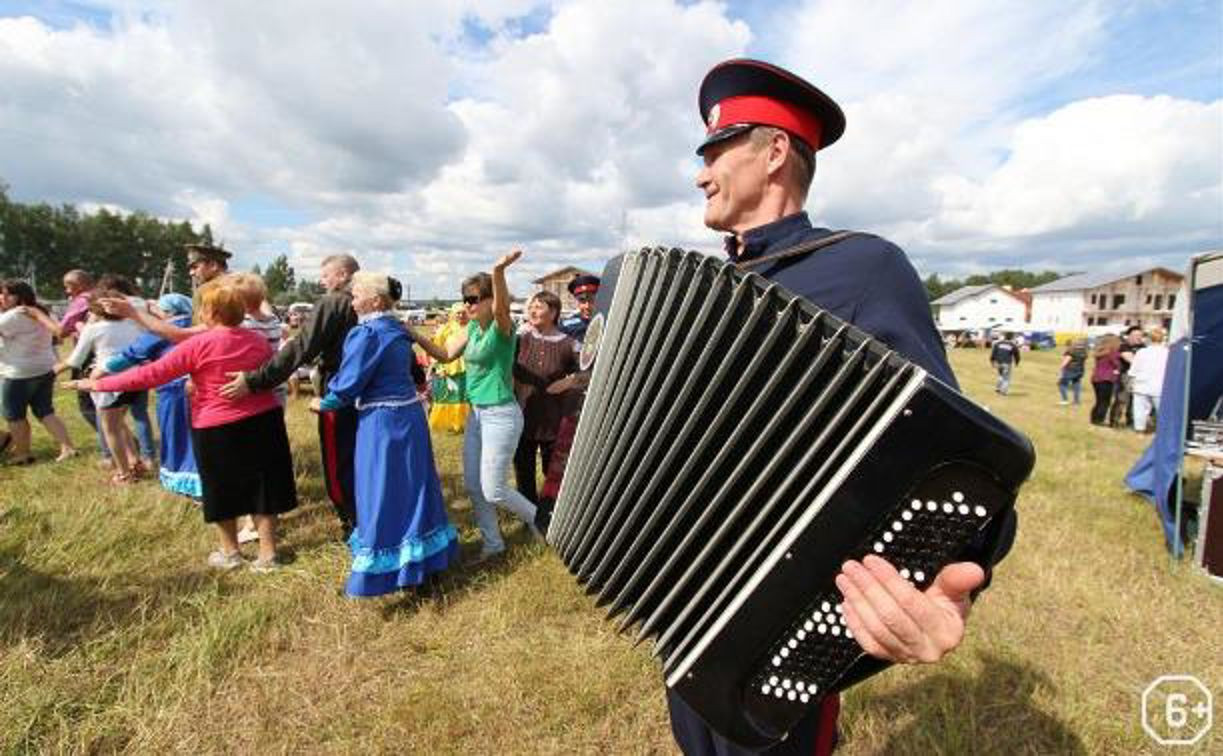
point(122, 479)
point(139, 470)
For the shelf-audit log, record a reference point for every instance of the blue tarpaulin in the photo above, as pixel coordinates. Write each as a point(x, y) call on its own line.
point(1156, 474)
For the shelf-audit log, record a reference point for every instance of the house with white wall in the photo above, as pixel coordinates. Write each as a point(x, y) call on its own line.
point(1106, 300)
point(984, 306)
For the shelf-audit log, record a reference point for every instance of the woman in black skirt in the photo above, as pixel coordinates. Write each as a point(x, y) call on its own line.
point(241, 446)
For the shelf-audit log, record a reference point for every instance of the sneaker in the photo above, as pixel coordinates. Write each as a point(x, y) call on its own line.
point(247, 535)
point(264, 566)
point(222, 561)
point(1063, 403)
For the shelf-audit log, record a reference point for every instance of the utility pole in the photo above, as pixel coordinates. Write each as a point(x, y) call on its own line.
point(167, 279)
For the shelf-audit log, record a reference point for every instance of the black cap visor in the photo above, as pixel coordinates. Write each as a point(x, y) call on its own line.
point(722, 134)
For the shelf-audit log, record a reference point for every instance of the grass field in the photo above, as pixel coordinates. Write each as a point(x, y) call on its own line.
point(114, 636)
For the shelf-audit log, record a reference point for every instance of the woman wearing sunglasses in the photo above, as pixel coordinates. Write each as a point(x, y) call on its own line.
point(495, 422)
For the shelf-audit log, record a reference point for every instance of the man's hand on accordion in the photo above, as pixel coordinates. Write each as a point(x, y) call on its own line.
point(893, 620)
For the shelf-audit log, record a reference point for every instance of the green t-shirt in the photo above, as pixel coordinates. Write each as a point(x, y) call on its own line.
point(490, 364)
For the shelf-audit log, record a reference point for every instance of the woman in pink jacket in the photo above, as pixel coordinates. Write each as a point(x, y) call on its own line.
point(241, 446)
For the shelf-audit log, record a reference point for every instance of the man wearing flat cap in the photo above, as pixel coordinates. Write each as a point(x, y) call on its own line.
point(764, 126)
point(584, 287)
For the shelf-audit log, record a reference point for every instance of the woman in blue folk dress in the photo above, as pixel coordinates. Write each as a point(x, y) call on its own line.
point(402, 534)
point(178, 472)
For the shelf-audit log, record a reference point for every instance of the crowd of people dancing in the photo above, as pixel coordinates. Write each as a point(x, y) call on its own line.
point(219, 363)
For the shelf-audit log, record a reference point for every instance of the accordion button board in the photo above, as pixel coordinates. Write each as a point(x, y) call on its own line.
point(736, 446)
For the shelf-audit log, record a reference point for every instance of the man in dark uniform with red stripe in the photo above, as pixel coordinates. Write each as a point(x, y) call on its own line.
point(764, 126)
point(583, 287)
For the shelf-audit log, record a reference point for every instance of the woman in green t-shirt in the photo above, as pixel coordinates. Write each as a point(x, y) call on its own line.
point(495, 422)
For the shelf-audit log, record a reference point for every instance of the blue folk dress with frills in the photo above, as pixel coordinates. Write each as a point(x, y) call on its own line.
point(402, 533)
point(178, 471)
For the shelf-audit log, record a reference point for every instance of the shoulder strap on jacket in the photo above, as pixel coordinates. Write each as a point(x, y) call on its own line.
point(802, 248)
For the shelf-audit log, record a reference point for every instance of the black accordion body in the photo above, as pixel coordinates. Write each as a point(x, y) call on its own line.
point(737, 444)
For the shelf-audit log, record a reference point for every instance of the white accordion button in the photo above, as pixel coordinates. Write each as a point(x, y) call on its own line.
point(878, 547)
point(931, 506)
point(888, 537)
point(778, 692)
point(836, 630)
point(776, 661)
point(840, 610)
point(765, 689)
point(948, 507)
point(792, 695)
point(964, 509)
point(919, 576)
point(808, 626)
point(980, 511)
point(904, 572)
point(804, 698)
point(786, 683)
point(802, 635)
point(825, 607)
point(800, 686)
point(773, 680)
point(916, 504)
point(957, 497)
point(785, 653)
point(849, 633)
point(898, 526)
point(792, 643)
point(906, 515)
point(822, 628)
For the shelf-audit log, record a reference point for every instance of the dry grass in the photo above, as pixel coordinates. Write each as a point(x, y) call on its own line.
point(114, 637)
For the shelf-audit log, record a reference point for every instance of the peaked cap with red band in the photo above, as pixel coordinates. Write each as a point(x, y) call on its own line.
point(583, 284)
point(741, 93)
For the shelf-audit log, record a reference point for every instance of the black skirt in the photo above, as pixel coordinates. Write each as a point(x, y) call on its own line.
point(245, 467)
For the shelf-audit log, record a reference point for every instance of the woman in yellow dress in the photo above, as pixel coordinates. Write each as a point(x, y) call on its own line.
point(450, 405)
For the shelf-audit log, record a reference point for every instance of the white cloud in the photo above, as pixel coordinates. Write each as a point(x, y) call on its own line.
point(1120, 163)
point(428, 149)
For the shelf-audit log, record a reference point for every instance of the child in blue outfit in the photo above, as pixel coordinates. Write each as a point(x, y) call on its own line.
point(403, 534)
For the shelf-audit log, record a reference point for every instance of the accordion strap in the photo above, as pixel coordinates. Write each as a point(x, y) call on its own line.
point(803, 248)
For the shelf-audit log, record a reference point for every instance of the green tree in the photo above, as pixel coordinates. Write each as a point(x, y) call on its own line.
point(41, 243)
point(307, 291)
point(279, 278)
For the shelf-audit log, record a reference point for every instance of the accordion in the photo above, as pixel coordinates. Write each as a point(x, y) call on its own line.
point(737, 444)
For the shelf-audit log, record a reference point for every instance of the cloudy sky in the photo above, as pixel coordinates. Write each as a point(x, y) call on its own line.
point(427, 137)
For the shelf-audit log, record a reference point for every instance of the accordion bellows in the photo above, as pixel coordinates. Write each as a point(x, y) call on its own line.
point(736, 445)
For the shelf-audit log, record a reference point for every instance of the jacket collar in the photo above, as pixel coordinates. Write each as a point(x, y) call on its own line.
point(770, 237)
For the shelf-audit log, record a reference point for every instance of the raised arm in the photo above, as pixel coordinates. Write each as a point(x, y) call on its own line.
point(501, 293)
point(147, 320)
point(43, 319)
point(448, 352)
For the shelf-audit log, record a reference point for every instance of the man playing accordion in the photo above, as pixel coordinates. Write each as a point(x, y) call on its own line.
point(764, 126)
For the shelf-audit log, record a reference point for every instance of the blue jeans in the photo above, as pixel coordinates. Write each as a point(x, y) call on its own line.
point(1071, 382)
point(1004, 377)
point(139, 409)
point(488, 448)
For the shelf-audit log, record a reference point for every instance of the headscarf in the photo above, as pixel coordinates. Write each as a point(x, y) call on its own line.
point(175, 304)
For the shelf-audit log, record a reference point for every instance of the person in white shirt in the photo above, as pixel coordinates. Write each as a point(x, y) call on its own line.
point(26, 380)
point(1147, 375)
point(107, 336)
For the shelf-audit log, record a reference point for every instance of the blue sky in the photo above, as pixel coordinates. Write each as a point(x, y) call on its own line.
point(428, 136)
